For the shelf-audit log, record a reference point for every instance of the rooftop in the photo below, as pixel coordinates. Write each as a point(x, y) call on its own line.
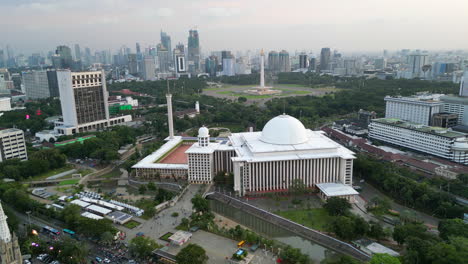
point(180, 237)
point(424, 98)
point(336, 189)
point(438, 131)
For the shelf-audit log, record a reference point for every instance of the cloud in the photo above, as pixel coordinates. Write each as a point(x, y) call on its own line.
point(220, 12)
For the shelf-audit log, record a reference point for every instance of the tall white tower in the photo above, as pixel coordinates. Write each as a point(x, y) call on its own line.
point(203, 136)
point(170, 121)
point(197, 107)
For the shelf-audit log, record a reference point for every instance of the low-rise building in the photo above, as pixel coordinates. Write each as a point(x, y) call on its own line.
point(12, 144)
point(437, 141)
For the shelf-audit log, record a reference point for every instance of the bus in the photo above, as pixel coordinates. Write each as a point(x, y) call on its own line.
point(240, 244)
point(50, 230)
point(69, 232)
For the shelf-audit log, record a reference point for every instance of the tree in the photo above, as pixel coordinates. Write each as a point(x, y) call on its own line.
point(343, 227)
point(384, 259)
point(71, 215)
point(376, 231)
point(453, 227)
point(242, 99)
point(142, 189)
point(151, 186)
point(401, 232)
point(200, 204)
point(142, 247)
point(293, 256)
point(297, 187)
point(107, 237)
point(192, 254)
point(337, 206)
point(361, 227)
point(70, 251)
point(443, 253)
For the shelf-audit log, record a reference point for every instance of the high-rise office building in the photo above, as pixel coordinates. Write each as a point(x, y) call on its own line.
point(2, 59)
point(325, 56)
point(193, 51)
point(77, 52)
point(273, 61)
point(312, 64)
point(303, 61)
point(416, 61)
point(284, 63)
point(63, 58)
point(149, 68)
point(132, 64)
point(9, 247)
point(88, 58)
point(166, 42)
point(416, 109)
point(179, 63)
point(12, 144)
point(380, 63)
point(211, 65)
point(350, 66)
point(163, 58)
point(40, 84)
point(84, 101)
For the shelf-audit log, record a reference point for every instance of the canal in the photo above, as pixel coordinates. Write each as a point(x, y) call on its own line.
point(315, 251)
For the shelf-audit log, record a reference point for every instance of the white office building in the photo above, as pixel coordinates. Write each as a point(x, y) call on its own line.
point(456, 105)
point(12, 144)
point(84, 100)
point(440, 142)
point(416, 109)
point(5, 104)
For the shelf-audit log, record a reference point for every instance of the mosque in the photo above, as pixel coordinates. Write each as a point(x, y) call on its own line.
point(262, 162)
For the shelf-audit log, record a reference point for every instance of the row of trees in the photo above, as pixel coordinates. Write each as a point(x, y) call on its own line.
point(388, 178)
point(104, 146)
point(39, 162)
point(451, 246)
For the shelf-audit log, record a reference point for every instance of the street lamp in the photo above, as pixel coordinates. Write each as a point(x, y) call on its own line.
point(29, 218)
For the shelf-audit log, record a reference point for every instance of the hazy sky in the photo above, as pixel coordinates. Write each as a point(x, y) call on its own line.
point(348, 25)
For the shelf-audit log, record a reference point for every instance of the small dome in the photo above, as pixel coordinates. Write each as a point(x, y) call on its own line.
point(284, 130)
point(203, 132)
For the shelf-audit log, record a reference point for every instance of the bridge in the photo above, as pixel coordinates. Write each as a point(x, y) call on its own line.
point(298, 229)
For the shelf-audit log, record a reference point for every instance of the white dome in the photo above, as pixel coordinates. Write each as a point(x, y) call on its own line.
point(203, 132)
point(284, 130)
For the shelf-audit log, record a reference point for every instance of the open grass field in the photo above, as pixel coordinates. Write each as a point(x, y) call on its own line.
point(132, 224)
point(44, 175)
point(69, 182)
point(316, 218)
point(166, 236)
point(235, 91)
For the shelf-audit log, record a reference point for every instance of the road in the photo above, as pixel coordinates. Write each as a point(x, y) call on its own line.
point(163, 222)
point(368, 192)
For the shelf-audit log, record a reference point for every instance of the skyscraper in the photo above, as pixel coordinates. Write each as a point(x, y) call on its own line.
point(193, 54)
point(163, 58)
point(40, 84)
point(2, 59)
point(284, 63)
point(138, 52)
point(132, 64)
point(149, 71)
point(63, 58)
point(303, 61)
point(416, 61)
point(166, 42)
point(273, 61)
point(211, 64)
point(9, 247)
point(77, 52)
point(325, 55)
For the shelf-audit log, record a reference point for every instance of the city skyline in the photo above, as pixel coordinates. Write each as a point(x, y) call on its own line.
point(363, 25)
